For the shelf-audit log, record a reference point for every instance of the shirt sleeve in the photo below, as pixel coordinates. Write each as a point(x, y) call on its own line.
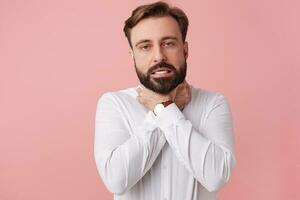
point(208, 155)
point(123, 159)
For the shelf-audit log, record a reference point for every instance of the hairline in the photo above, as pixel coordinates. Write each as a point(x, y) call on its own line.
point(162, 39)
point(156, 16)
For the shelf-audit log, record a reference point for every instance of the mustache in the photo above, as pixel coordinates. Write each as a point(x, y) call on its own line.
point(160, 65)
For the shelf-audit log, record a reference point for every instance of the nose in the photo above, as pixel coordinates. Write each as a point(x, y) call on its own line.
point(159, 55)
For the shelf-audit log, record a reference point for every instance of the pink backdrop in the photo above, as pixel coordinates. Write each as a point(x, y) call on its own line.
point(58, 57)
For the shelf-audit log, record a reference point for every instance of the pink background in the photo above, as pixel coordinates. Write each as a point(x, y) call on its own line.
point(58, 57)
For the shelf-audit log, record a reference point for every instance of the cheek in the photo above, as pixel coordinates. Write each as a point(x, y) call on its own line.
point(177, 58)
point(142, 63)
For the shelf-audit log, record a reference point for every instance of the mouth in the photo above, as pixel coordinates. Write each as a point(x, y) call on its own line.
point(162, 72)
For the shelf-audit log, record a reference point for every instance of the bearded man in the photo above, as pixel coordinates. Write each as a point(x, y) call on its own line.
point(163, 139)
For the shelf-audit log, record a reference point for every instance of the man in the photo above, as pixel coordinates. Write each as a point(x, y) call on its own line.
point(164, 139)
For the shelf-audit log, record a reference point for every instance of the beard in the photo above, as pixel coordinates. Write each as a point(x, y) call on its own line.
point(163, 85)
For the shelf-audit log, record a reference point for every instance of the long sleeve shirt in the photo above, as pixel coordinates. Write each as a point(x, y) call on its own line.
point(176, 155)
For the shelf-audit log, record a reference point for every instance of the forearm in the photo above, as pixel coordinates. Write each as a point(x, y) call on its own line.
point(125, 165)
point(208, 155)
point(122, 157)
point(210, 163)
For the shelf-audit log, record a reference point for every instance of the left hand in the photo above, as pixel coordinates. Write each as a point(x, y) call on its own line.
point(182, 95)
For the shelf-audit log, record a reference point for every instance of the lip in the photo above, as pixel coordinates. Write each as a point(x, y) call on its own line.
point(162, 72)
point(162, 69)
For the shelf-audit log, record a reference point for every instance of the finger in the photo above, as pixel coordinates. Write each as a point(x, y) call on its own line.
point(187, 87)
point(181, 86)
point(138, 98)
point(138, 90)
point(189, 94)
point(141, 86)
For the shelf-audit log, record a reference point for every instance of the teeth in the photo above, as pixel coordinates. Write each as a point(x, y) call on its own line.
point(161, 72)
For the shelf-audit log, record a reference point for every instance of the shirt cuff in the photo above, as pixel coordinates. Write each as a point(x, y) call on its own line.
point(150, 121)
point(150, 117)
point(169, 115)
point(147, 126)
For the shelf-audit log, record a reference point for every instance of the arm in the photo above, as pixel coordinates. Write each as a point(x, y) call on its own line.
point(208, 155)
point(123, 159)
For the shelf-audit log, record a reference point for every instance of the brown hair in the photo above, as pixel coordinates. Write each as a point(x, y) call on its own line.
point(157, 9)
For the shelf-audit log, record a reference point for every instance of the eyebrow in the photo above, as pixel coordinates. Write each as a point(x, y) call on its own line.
point(170, 37)
point(141, 41)
point(164, 38)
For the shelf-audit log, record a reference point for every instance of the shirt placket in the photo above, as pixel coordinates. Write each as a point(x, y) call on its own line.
point(165, 173)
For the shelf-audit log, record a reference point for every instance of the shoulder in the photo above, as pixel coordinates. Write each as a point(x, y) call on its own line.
point(205, 94)
point(207, 99)
point(127, 94)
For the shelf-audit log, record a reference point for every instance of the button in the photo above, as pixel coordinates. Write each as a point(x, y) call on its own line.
point(164, 167)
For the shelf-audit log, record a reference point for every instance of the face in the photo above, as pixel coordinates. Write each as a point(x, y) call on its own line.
point(159, 53)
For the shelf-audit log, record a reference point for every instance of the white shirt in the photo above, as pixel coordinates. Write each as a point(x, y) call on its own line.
point(175, 155)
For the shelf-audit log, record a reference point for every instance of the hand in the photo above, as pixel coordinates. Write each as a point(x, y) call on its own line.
point(150, 99)
point(182, 95)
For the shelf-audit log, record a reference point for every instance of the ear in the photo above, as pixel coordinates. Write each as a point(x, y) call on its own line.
point(186, 49)
point(131, 53)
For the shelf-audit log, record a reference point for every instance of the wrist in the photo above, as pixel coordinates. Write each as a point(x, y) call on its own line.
point(160, 106)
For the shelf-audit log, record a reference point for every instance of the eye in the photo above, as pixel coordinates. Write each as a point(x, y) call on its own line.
point(145, 47)
point(169, 44)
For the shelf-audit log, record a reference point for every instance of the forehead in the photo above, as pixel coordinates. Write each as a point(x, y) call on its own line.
point(155, 28)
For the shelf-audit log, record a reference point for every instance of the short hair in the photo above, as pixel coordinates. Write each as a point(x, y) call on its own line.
point(157, 9)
